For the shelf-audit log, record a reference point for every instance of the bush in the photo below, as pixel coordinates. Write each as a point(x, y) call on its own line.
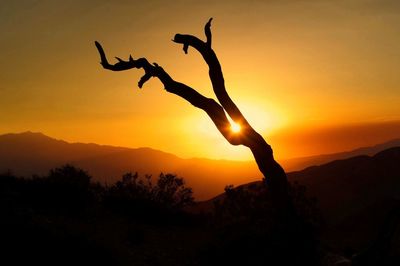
point(68, 187)
point(140, 197)
point(64, 190)
point(171, 192)
point(248, 224)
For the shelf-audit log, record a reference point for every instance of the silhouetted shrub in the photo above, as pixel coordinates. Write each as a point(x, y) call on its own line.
point(141, 198)
point(252, 203)
point(65, 219)
point(35, 213)
point(10, 191)
point(244, 206)
point(70, 177)
point(65, 189)
point(69, 186)
point(306, 206)
point(171, 192)
point(248, 225)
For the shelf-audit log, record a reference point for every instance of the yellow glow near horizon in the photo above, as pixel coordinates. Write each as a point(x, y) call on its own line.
point(292, 68)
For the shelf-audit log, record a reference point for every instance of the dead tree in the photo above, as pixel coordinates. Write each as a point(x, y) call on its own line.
point(275, 176)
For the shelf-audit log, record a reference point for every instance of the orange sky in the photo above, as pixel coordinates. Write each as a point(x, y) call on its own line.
point(303, 72)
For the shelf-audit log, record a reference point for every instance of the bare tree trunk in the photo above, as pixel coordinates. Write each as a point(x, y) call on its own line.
point(275, 176)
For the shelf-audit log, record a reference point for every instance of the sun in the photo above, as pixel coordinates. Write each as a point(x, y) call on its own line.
point(235, 127)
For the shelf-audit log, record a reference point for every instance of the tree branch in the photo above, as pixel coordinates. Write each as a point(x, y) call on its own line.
point(272, 171)
point(214, 110)
point(215, 73)
point(207, 31)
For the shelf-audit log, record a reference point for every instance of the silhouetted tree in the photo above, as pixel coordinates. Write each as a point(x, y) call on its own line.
point(274, 175)
point(171, 191)
point(70, 176)
point(139, 196)
point(66, 187)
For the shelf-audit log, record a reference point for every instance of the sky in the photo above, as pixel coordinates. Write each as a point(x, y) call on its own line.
point(311, 76)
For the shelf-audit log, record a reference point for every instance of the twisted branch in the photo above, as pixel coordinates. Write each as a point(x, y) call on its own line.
point(215, 73)
point(214, 110)
point(272, 171)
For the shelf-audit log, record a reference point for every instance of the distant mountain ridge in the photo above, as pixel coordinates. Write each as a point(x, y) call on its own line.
point(296, 164)
point(353, 183)
point(355, 195)
point(35, 153)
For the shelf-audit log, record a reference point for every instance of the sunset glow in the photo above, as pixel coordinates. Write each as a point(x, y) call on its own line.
point(230, 132)
point(235, 127)
point(294, 69)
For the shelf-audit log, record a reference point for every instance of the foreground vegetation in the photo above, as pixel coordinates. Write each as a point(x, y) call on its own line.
point(63, 218)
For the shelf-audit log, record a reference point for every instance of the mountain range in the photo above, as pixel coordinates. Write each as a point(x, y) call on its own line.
point(358, 197)
point(29, 153)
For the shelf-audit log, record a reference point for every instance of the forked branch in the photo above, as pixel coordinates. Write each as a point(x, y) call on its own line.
point(214, 110)
point(272, 171)
point(215, 72)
